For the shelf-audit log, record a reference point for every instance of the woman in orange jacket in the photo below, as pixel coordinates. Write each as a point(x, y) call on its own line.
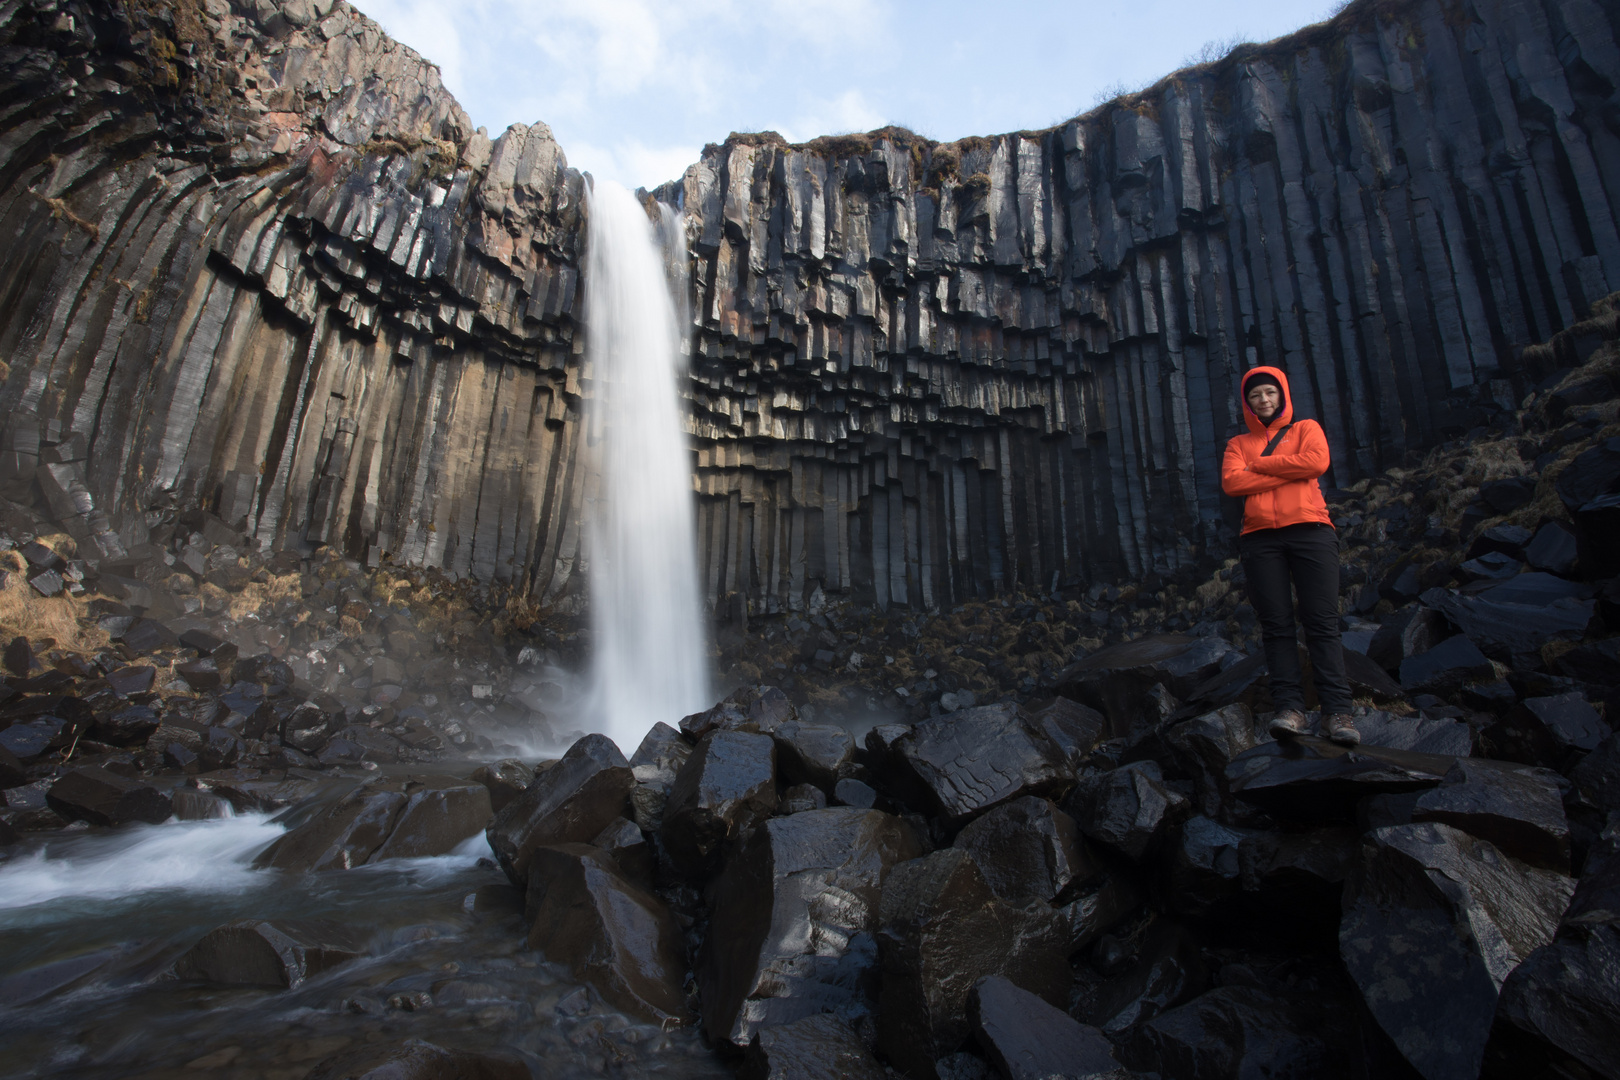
point(1289, 547)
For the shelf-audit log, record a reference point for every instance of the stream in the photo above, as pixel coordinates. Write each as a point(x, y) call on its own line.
point(91, 922)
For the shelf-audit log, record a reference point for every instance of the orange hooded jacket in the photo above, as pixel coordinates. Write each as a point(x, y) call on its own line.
point(1281, 489)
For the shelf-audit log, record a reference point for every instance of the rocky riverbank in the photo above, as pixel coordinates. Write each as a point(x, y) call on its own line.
point(999, 840)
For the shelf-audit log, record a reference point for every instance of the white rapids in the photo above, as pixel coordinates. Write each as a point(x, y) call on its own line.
point(650, 654)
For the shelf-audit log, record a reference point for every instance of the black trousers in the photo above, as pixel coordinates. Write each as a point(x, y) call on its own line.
point(1279, 563)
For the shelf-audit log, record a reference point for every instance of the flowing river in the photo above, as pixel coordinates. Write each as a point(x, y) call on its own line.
point(91, 923)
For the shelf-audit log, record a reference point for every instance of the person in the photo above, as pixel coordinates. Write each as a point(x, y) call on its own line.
point(1288, 545)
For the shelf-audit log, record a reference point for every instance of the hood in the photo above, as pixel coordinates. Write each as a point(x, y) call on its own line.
point(1284, 415)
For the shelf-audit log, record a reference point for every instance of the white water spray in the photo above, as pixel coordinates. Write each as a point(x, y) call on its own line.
point(650, 661)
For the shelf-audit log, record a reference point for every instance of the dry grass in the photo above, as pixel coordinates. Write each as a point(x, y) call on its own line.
point(64, 619)
point(254, 595)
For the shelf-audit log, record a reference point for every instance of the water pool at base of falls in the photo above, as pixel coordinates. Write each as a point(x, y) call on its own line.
point(92, 922)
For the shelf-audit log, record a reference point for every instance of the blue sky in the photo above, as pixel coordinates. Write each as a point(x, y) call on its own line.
point(634, 88)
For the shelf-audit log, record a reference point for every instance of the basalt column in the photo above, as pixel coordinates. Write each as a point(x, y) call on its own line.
point(932, 371)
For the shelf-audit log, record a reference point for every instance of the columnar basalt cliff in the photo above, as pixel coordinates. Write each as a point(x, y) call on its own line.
point(257, 260)
point(933, 371)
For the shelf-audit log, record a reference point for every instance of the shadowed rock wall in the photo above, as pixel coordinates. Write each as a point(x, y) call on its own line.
point(257, 260)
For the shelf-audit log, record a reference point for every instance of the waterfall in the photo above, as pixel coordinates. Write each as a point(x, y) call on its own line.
point(650, 657)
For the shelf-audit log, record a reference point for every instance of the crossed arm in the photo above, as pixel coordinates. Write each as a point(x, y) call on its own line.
point(1240, 477)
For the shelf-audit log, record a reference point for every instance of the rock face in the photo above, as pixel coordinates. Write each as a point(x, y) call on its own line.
point(1434, 923)
point(277, 274)
point(795, 917)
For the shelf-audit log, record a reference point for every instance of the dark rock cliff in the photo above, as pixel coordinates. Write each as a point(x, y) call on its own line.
point(257, 260)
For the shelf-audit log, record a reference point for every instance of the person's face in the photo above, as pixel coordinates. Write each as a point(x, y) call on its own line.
point(1265, 400)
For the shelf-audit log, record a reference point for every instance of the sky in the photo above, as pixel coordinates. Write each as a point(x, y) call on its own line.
point(633, 89)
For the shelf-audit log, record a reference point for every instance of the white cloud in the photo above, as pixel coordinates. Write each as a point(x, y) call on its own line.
point(849, 111)
point(631, 162)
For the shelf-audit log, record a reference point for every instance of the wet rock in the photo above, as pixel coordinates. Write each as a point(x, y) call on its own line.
point(1118, 681)
point(1097, 912)
point(438, 815)
point(1492, 567)
point(417, 1060)
point(94, 794)
point(819, 754)
point(181, 758)
point(1211, 740)
point(38, 983)
point(1434, 921)
point(342, 836)
point(11, 770)
point(269, 953)
point(965, 763)
point(1070, 726)
point(306, 728)
point(801, 797)
point(129, 726)
point(624, 840)
point(819, 1047)
point(201, 675)
point(506, 779)
point(147, 636)
point(1241, 1031)
point(1028, 1039)
point(586, 914)
point(1313, 780)
point(1168, 969)
point(1203, 870)
point(1554, 731)
point(570, 802)
point(192, 805)
point(1512, 621)
point(1520, 810)
point(1596, 778)
point(1559, 1010)
point(29, 739)
point(800, 906)
point(358, 742)
point(656, 763)
point(856, 793)
point(221, 749)
point(1444, 668)
point(750, 708)
point(1509, 540)
point(1028, 849)
point(942, 931)
point(1451, 738)
point(1553, 550)
point(1127, 808)
point(727, 784)
point(1597, 663)
point(131, 679)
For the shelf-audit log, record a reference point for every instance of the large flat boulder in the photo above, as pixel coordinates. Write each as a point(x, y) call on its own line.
point(1434, 921)
point(587, 915)
point(1312, 780)
point(342, 835)
point(962, 764)
point(91, 793)
point(1520, 810)
point(799, 909)
point(568, 803)
point(438, 815)
point(1118, 681)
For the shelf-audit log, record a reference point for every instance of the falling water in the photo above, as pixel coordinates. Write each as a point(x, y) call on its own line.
point(650, 657)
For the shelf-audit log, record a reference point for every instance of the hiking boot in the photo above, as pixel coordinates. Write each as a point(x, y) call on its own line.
point(1288, 723)
point(1340, 728)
